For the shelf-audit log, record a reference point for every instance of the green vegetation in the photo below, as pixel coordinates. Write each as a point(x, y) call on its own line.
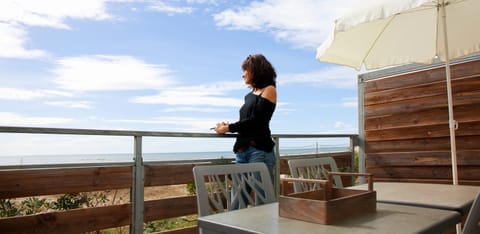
point(170, 224)
point(191, 189)
point(35, 205)
point(8, 208)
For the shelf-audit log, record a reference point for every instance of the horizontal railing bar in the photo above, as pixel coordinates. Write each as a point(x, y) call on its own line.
point(109, 164)
point(148, 162)
point(65, 165)
point(74, 131)
point(138, 164)
point(313, 135)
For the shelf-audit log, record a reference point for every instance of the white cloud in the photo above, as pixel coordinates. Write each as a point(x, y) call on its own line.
point(336, 76)
point(12, 43)
point(175, 7)
point(350, 102)
point(305, 23)
point(102, 72)
point(13, 119)
point(211, 95)
point(193, 109)
point(15, 94)
point(343, 127)
point(170, 9)
point(16, 15)
point(177, 123)
point(71, 104)
point(25, 95)
point(51, 13)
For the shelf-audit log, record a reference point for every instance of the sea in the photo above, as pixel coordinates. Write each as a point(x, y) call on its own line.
point(22, 160)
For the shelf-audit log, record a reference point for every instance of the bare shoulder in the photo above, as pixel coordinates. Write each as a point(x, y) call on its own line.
point(270, 93)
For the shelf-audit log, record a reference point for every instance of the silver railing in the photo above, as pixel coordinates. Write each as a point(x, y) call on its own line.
point(137, 194)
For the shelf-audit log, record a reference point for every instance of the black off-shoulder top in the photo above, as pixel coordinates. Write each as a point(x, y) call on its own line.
point(253, 127)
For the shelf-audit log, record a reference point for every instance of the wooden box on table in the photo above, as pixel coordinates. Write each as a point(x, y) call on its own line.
point(328, 205)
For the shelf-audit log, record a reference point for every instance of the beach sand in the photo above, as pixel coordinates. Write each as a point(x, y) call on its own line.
point(120, 196)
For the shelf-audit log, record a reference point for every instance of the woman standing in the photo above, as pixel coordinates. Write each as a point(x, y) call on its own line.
point(254, 141)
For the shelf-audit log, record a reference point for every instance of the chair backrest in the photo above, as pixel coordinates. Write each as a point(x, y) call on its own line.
point(473, 218)
point(313, 168)
point(222, 188)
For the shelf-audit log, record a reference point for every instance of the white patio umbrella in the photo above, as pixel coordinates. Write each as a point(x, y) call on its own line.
point(395, 32)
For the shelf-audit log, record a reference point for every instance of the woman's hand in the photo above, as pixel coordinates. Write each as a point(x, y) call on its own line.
point(221, 128)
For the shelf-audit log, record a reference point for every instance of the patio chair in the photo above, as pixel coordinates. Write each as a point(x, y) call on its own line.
point(222, 188)
point(472, 223)
point(313, 168)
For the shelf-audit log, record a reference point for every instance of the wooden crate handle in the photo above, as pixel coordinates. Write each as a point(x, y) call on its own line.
point(325, 184)
point(369, 177)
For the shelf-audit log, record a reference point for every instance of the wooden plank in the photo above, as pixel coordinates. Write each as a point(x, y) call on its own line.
point(170, 174)
point(71, 221)
point(437, 90)
point(420, 104)
point(431, 181)
point(463, 114)
point(458, 71)
point(424, 172)
point(429, 158)
point(405, 80)
point(34, 182)
point(422, 132)
point(170, 208)
point(427, 144)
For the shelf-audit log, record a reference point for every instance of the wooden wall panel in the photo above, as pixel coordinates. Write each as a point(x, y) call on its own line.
point(423, 172)
point(428, 158)
point(406, 124)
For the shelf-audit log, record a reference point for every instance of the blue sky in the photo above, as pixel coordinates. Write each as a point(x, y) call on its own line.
point(163, 66)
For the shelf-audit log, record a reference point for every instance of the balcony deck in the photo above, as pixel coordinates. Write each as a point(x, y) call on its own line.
point(24, 181)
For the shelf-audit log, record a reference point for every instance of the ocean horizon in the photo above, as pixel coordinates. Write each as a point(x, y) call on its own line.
point(18, 160)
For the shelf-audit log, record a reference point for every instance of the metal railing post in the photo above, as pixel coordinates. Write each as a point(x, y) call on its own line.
point(136, 193)
point(353, 145)
point(276, 183)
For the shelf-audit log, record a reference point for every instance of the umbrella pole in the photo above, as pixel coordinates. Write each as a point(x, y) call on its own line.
point(451, 121)
point(452, 126)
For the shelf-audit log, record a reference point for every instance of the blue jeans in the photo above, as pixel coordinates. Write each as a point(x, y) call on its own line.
point(252, 155)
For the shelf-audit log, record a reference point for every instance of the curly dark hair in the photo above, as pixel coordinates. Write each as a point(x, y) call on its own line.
point(261, 70)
